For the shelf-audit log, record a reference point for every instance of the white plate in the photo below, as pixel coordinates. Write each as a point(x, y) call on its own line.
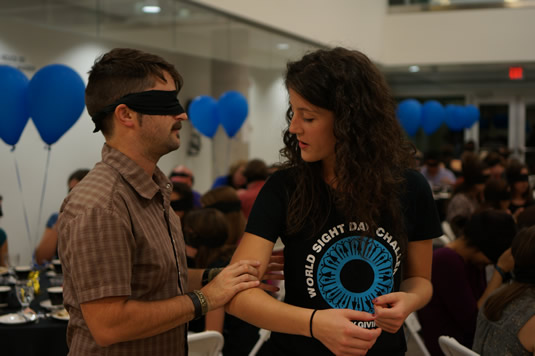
point(15, 318)
point(47, 304)
point(60, 315)
point(51, 274)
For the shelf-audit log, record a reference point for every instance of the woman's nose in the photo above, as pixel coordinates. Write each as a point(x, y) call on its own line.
point(295, 127)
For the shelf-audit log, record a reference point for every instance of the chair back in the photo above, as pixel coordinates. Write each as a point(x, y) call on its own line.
point(413, 326)
point(205, 343)
point(452, 347)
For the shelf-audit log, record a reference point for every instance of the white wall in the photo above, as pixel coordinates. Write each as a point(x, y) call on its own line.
point(470, 36)
point(80, 148)
point(457, 36)
point(269, 98)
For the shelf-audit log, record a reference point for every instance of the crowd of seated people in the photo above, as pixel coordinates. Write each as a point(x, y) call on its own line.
point(484, 289)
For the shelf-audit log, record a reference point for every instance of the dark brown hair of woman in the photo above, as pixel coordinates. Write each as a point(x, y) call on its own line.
point(226, 200)
point(523, 250)
point(207, 230)
point(371, 149)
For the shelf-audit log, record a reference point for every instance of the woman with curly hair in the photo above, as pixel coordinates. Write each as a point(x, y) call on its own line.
point(355, 218)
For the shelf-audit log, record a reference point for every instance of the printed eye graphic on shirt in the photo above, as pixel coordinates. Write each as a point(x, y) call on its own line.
point(353, 272)
point(350, 271)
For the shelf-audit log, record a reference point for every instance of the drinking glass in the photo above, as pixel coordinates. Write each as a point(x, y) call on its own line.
point(25, 293)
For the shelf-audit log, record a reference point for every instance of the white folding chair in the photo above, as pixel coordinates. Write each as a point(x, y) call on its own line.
point(413, 326)
point(452, 347)
point(205, 343)
point(448, 231)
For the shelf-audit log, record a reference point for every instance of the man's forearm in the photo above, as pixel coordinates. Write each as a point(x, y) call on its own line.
point(118, 319)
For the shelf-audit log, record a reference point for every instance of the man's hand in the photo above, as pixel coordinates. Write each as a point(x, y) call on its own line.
point(232, 279)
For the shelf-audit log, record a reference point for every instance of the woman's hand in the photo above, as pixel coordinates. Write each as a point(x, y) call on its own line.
point(275, 266)
point(392, 309)
point(336, 330)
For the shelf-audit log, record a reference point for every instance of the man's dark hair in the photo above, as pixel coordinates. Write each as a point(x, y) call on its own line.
point(123, 71)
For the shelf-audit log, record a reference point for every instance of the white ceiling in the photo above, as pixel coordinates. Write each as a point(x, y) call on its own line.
point(187, 28)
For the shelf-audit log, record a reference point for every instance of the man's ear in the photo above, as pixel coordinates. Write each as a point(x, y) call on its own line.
point(125, 116)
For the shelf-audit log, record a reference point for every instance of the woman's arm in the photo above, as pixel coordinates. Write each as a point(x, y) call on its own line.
point(525, 335)
point(47, 247)
point(506, 263)
point(415, 291)
point(214, 320)
point(333, 327)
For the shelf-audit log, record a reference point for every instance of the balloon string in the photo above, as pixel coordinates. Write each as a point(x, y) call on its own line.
point(229, 144)
point(22, 199)
point(43, 190)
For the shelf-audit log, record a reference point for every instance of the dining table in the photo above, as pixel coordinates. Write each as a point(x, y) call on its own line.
point(46, 335)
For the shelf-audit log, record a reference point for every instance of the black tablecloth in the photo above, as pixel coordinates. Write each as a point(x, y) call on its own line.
point(45, 337)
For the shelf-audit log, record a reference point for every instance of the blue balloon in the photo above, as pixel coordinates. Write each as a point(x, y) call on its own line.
point(202, 113)
point(409, 112)
point(232, 109)
point(14, 113)
point(455, 118)
point(472, 115)
point(433, 115)
point(56, 100)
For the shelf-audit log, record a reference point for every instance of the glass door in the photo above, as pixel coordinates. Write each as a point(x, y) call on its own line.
point(501, 124)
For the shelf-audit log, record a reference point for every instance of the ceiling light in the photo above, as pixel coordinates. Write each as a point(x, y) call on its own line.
point(151, 9)
point(414, 69)
point(283, 46)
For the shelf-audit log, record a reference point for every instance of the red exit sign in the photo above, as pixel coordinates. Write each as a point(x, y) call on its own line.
point(516, 73)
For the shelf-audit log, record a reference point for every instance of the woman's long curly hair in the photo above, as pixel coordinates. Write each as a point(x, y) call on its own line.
point(372, 151)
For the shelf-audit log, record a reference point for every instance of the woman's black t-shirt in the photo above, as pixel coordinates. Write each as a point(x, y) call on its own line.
point(345, 265)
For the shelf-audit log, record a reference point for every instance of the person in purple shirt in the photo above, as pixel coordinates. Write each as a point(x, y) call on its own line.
point(459, 280)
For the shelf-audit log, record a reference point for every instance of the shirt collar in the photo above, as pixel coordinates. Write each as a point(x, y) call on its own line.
point(145, 186)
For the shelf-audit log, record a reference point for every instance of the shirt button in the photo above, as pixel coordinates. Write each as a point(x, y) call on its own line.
point(168, 186)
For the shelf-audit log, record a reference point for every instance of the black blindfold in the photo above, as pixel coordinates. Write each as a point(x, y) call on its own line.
point(152, 102)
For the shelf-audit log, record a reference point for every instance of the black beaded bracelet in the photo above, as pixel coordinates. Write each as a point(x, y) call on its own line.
point(310, 324)
point(196, 304)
